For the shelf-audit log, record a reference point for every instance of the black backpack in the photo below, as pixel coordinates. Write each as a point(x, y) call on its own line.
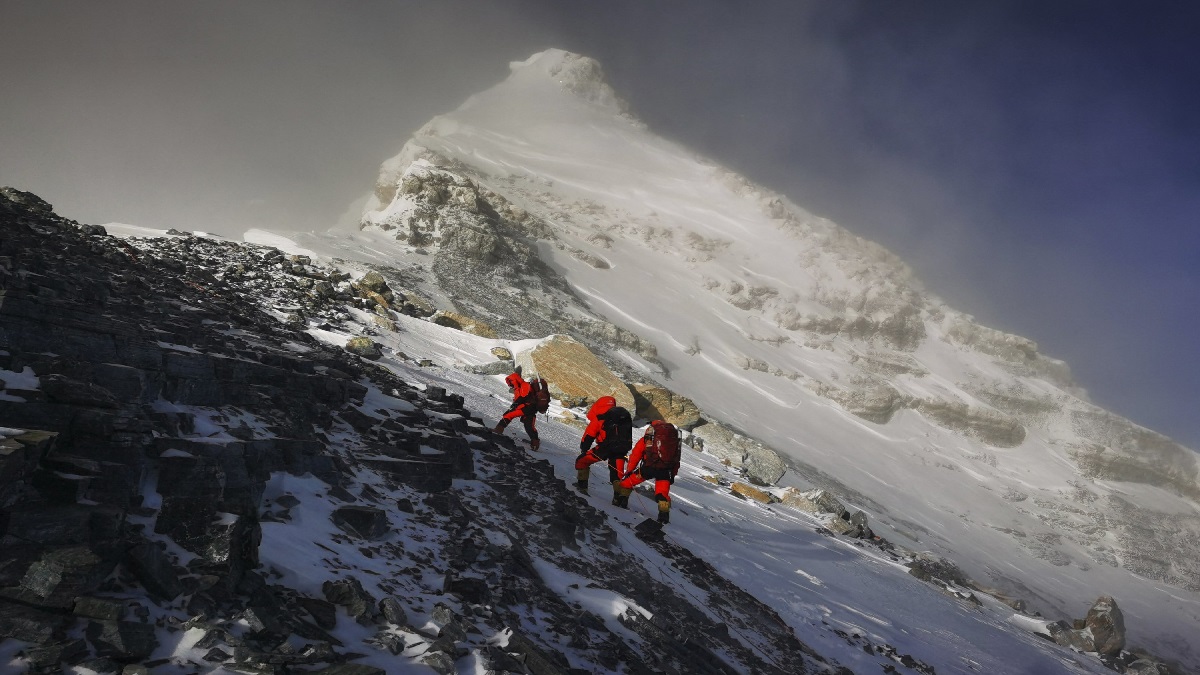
point(618, 433)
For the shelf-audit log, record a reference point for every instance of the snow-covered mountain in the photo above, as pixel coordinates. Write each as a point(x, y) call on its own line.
point(275, 456)
point(541, 205)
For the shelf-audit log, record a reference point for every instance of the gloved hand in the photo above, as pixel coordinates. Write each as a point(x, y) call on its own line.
point(585, 443)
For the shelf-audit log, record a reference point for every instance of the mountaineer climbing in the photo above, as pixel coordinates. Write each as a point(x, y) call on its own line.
point(524, 406)
point(655, 457)
point(610, 427)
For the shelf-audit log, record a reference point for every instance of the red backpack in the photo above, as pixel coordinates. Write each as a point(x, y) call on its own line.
point(539, 392)
point(663, 451)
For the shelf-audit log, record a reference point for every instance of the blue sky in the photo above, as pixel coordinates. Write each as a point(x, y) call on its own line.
point(1038, 164)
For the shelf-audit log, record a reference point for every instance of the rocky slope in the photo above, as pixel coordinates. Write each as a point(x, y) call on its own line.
point(163, 436)
point(543, 209)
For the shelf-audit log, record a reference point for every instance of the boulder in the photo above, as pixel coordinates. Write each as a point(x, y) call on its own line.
point(372, 282)
point(364, 347)
point(1106, 624)
point(575, 375)
point(122, 640)
point(763, 466)
point(813, 501)
point(363, 522)
point(464, 323)
point(751, 492)
point(659, 403)
point(393, 611)
point(350, 594)
point(73, 392)
point(927, 568)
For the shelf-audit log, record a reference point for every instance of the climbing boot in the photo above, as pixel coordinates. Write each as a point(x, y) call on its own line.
point(664, 510)
point(621, 495)
point(499, 428)
point(581, 480)
point(535, 444)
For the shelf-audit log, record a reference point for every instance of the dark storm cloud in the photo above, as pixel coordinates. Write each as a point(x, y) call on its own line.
point(1036, 163)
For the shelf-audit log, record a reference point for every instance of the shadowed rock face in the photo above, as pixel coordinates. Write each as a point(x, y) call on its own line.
point(659, 403)
point(573, 372)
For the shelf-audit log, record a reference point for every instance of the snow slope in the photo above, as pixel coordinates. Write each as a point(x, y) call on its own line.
point(956, 438)
point(836, 596)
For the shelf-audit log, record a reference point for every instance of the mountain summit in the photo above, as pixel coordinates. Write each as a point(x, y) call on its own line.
point(541, 206)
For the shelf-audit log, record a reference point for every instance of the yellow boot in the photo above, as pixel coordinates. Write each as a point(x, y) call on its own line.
point(621, 495)
point(664, 510)
point(581, 479)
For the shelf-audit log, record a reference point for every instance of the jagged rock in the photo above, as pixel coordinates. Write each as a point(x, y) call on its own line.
point(154, 569)
point(99, 608)
point(122, 640)
point(393, 611)
point(841, 525)
point(374, 282)
point(862, 529)
point(73, 392)
point(813, 501)
point(657, 402)
point(763, 466)
point(930, 569)
point(350, 594)
point(364, 522)
point(63, 574)
point(464, 323)
point(1106, 624)
point(19, 457)
point(323, 613)
point(29, 624)
point(441, 662)
point(575, 375)
point(52, 656)
point(364, 347)
point(502, 353)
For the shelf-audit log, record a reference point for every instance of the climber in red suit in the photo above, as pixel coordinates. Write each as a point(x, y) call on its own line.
point(523, 406)
point(609, 428)
point(655, 457)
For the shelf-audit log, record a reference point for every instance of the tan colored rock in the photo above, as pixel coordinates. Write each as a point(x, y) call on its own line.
point(576, 377)
point(385, 323)
point(813, 501)
point(750, 492)
point(568, 417)
point(502, 353)
point(379, 299)
point(463, 323)
point(364, 347)
point(655, 402)
point(715, 480)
